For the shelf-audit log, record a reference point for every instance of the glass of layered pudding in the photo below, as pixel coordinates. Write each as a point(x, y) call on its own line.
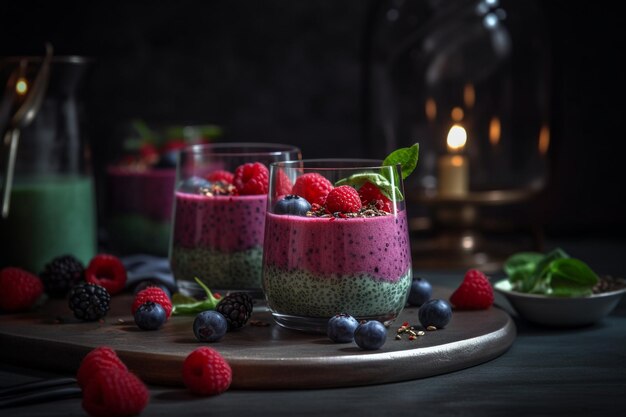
point(337, 242)
point(219, 215)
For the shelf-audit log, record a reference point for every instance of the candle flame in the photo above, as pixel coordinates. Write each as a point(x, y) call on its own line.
point(544, 139)
point(430, 107)
point(494, 131)
point(469, 95)
point(21, 87)
point(457, 137)
point(457, 114)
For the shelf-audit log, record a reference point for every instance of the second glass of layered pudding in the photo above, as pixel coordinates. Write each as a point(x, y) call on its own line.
point(219, 215)
point(337, 242)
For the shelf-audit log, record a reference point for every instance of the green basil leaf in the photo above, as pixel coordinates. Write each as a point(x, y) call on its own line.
point(389, 190)
point(406, 157)
point(574, 271)
point(520, 266)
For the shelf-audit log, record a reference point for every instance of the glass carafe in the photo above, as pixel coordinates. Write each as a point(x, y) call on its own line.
point(52, 200)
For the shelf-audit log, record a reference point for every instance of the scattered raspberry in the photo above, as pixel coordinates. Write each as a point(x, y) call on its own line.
point(313, 187)
point(221, 175)
point(102, 358)
point(148, 153)
point(206, 372)
point(369, 193)
point(154, 294)
point(108, 272)
point(343, 199)
point(19, 289)
point(474, 293)
point(283, 184)
point(251, 178)
point(115, 393)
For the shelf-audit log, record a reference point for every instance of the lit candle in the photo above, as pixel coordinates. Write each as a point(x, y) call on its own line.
point(453, 166)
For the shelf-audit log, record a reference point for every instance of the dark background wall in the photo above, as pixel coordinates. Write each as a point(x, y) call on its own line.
point(286, 71)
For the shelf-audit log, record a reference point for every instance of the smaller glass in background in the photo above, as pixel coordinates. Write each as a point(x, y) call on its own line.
point(333, 251)
point(140, 186)
point(219, 215)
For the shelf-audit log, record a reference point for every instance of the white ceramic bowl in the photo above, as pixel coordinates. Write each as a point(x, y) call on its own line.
point(560, 311)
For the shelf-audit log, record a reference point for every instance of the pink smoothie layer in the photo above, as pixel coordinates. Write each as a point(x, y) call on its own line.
point(376, 246)
point(149, 193)
point(224, 223)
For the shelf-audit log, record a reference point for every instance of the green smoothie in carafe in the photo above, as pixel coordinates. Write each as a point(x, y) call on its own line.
point(48, 216)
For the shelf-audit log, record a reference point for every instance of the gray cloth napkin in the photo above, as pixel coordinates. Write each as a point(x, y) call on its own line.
point(148, 267)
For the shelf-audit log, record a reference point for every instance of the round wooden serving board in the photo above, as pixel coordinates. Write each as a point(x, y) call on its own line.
point(263, 356)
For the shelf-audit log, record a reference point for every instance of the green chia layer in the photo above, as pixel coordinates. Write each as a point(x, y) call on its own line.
point(301, 293)
point(236, 270)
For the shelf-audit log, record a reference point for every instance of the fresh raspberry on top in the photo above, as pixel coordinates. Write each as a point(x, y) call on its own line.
point(474, 293)
point(206, 372)
point(107, 271)
point(343, 199)
point(154, 294)
point(115, 393)
point(251, 178)
point(19, 289)
point(283, 184)
point(370, 193)
point(221, 175)
point(148, 153)
point(102, 358)
point(313, 187)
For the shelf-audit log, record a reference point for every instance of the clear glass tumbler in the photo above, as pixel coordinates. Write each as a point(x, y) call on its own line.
point(332, 251)
point(219, 215)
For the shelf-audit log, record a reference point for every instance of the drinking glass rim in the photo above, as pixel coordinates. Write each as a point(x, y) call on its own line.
point(357, 163)
point(271, 149)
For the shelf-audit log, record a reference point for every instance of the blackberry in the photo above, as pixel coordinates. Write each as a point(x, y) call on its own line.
point(61, 274)
point(236, 308)
point(89, 302)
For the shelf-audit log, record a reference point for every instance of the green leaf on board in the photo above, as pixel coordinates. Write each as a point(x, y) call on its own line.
point(186, 305)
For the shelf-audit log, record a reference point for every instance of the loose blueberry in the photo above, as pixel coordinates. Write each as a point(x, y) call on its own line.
point(150, 316)
point(421, 291)
point(167, 160)
point(209, 326)
point(194, 185)
point(142, 285)
point(341, 328)
point(370, 335)
point(435, 313)
point(292, 204)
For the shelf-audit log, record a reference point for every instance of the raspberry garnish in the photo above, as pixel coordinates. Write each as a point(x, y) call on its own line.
point(369, 193)
point(283, 184)
point(102, 358)
point(206, 372)
point(313, 187)
point(115, 393)
point(19, 289)
point(474, 293)
point(108, 272)
point(154, 294)
point(221, 175)
point(251, 178)
point(343, 199)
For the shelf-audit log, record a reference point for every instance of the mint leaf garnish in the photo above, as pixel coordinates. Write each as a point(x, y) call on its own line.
point(388, 189)
point(406, 157)
point(188, 305)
